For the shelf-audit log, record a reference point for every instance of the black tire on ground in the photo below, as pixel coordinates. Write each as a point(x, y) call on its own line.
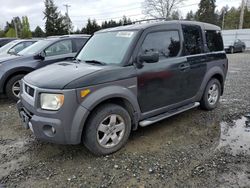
point(90, 133)
point(9, 87)
point(205, 102)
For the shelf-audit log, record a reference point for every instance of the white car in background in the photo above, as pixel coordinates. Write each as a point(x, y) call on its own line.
point(15, 46)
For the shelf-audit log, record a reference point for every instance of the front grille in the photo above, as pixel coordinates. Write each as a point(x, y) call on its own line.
point(29, 90)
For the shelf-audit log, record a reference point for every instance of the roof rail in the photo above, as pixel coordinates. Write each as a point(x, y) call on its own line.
point(149, 20)
point(65, 36)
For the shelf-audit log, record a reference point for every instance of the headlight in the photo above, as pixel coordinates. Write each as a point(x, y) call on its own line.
point(51, 101)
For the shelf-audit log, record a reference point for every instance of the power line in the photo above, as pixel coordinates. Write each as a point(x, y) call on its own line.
point(109, 12)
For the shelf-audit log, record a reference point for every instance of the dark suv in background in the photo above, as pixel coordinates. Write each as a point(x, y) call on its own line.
point(123, 78)
point(4, 41)
point(44, 52)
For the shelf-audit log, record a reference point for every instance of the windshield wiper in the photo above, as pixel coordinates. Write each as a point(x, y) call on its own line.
point(76, 60)
point(95, 62)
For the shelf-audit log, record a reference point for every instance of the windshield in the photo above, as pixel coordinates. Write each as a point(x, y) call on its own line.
point(6, 47)
point(35, 48)
point(109, 47)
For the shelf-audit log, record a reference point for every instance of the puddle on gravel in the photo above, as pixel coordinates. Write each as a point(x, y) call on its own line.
point(235, 137)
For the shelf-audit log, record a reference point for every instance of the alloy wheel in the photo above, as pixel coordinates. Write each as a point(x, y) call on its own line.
point(111, 131)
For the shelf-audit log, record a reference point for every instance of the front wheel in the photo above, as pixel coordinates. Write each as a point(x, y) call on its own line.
point(107, 130)
point(211, 95)
point(13, 87)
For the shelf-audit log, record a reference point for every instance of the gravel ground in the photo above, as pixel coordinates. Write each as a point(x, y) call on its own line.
point(193, 149)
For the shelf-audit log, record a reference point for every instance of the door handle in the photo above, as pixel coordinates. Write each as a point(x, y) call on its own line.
point(184, 66)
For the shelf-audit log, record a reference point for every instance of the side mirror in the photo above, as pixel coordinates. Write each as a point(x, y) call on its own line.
point(12, 51)
point(40, 56)
point(149, 57)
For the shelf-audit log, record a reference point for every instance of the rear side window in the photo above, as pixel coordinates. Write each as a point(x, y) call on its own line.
point(193, 43)
point(167, 43)
point(214, 41)
point(79, 43)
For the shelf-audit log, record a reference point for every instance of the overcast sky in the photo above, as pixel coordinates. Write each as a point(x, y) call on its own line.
point(81, 10)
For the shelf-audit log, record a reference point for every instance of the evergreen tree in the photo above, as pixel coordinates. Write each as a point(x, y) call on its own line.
point(92, 27)
point(206, 11)
point(246, 23)
point(38, 32)
point(125, 21)
point(55, 23)
point(26, 33)
point(175, 15)
point(232, 17)
point(190, 16)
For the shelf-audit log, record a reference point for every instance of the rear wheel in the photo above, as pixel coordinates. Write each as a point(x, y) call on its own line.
point(107, 130)
point(13, 87)
point(211, 95)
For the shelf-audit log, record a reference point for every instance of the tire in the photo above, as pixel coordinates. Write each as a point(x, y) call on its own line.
point(232, 50)
point(210, 101)
point(93, 137)
point(243, 49)
point(13, 82)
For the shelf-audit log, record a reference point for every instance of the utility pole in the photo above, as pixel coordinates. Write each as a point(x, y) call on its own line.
point(242, 14)
point(67, 14)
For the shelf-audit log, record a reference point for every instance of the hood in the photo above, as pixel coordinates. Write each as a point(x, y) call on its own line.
point(69, 75)
point(57, 75)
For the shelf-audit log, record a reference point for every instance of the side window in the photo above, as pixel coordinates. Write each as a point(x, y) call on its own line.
point(193, 43)
point(167, 43)
point(59, 48)
point(28, 43)
point(79, 43)
point(214, 41)
point(17, 48)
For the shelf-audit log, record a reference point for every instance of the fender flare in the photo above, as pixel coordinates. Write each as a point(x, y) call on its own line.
point(110, 92)
point(211, 73)
point(11, 72)
point(99, 96)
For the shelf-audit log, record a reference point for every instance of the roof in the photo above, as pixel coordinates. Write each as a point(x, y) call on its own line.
point(147, 25)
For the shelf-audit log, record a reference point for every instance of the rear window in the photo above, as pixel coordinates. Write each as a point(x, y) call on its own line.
point(193, 39)
point(214, 41)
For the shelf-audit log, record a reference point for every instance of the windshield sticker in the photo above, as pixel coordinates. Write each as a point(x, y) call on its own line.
point(126, 34)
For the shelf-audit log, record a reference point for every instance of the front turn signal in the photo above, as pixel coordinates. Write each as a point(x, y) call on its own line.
point(85, 92)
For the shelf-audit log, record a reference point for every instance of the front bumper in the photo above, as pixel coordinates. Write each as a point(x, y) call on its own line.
point(64, 126)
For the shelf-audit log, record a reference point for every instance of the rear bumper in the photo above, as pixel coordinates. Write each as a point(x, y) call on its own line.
point(67, 123)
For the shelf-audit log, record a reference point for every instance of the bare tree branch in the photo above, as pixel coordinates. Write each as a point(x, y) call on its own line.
point(160, 8)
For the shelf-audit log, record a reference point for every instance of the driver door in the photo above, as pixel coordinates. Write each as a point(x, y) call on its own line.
point(159, 84)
